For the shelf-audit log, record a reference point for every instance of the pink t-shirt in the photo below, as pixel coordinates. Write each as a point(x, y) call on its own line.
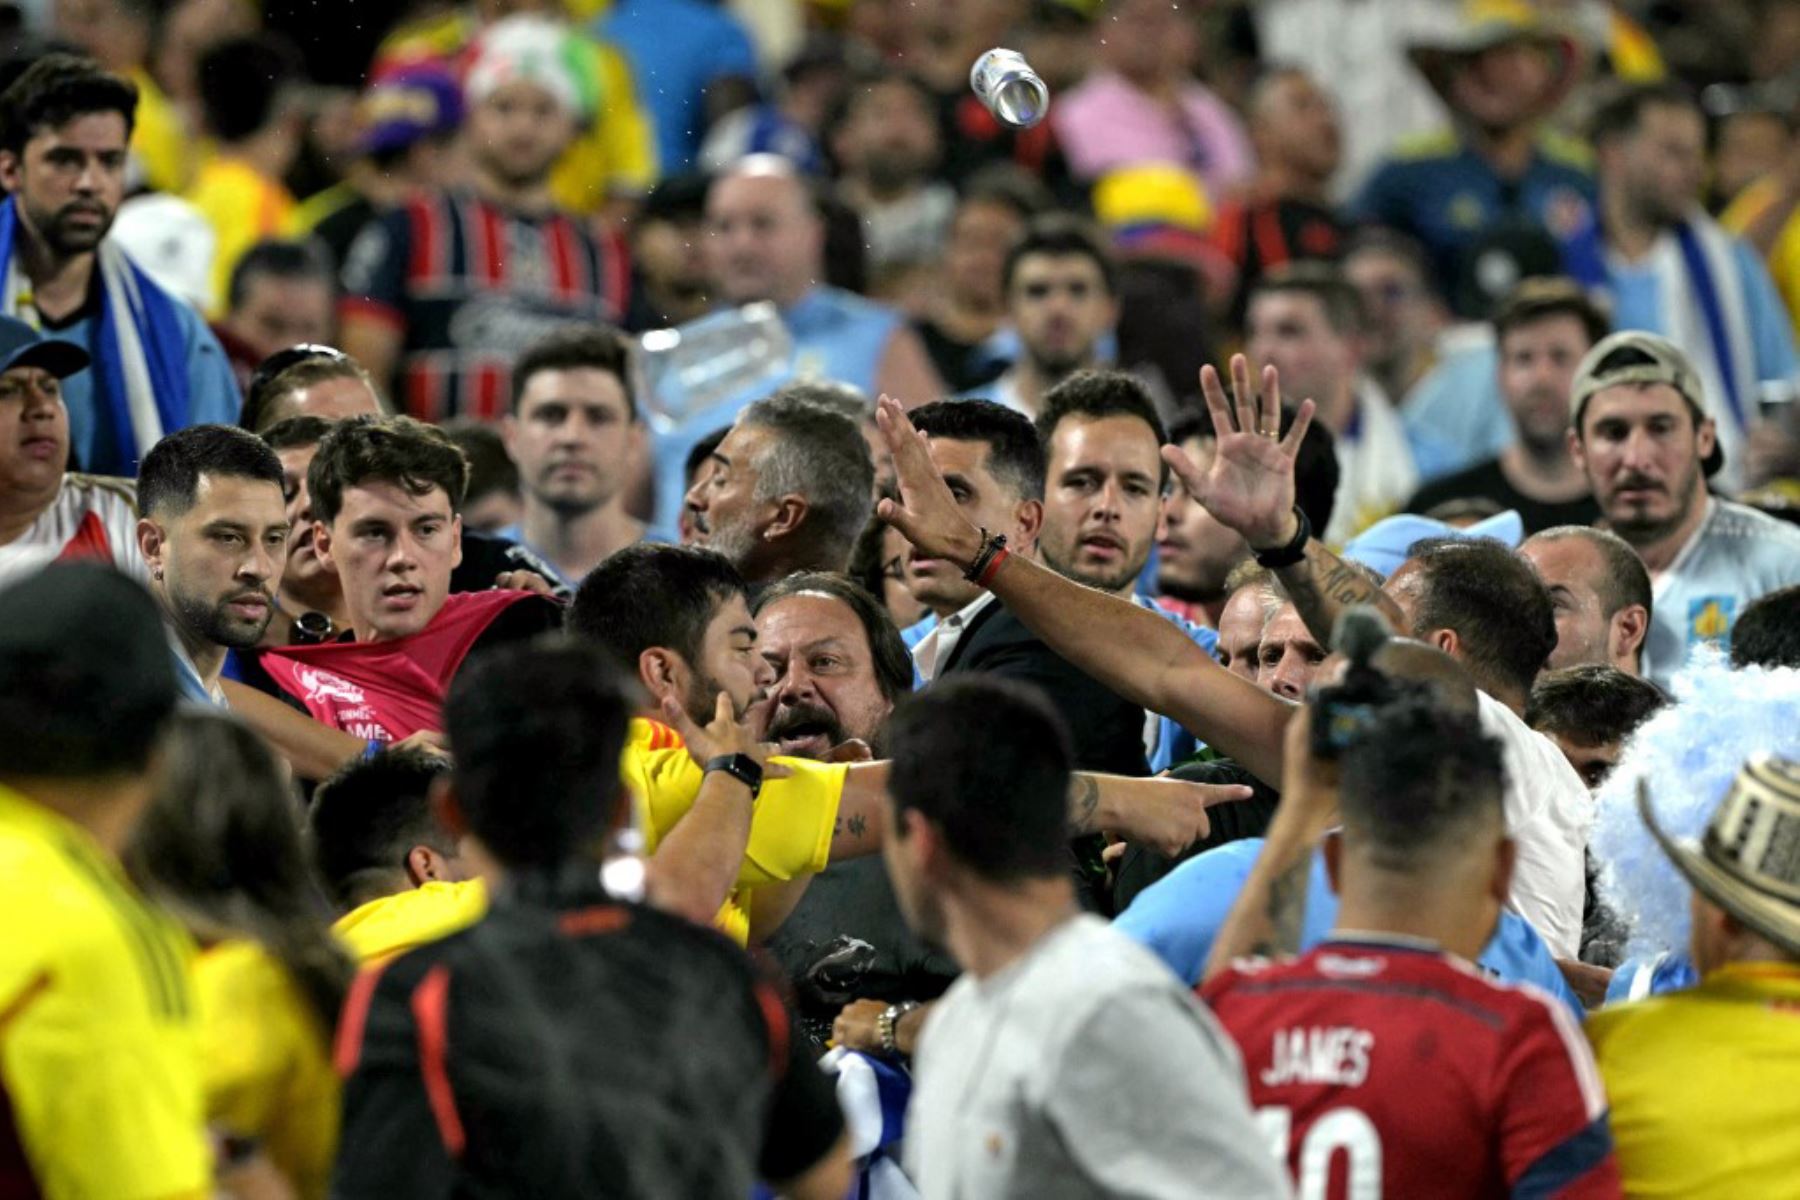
point(1107, 122)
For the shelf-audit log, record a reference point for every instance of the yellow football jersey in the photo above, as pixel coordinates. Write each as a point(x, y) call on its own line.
point(266, 1062)
point(1701, 1085)
point(790, 829)
point(99, 1049)
point(395, 924)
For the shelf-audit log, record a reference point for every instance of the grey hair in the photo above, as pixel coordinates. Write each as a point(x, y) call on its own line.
point(820, 454)
point(845, 399)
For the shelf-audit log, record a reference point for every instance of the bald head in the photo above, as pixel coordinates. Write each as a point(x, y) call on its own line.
point(1404, 658)
point(764, 240)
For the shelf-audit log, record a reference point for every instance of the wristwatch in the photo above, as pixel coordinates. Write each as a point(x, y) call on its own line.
point(885, 1023)
point(311, 628)
point(741, 767)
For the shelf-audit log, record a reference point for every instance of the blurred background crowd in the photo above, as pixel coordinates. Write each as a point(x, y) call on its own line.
point(1438, 153)
point(607, 468)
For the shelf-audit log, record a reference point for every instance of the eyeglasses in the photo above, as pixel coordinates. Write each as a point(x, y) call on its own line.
point(281, 361)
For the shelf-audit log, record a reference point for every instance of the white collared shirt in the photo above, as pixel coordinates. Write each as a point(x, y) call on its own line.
point(936, 647)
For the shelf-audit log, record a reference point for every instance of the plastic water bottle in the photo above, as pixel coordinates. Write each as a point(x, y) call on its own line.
point(1011, 90)
point(702, 364)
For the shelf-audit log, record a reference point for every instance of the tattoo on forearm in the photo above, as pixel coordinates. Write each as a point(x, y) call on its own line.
point(859, 825)
point(1084, 802)
point(1322, 585)
point(1286, 907)
point(1344, 586)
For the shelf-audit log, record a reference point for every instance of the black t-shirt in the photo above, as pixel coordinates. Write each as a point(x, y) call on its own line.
point(338, 229)
point(487, 556)
point(961, 365)
point(1488, 482)
point(577, 1046)
point(846, 940)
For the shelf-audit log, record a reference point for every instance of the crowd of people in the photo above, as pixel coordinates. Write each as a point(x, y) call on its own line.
point(647, 598)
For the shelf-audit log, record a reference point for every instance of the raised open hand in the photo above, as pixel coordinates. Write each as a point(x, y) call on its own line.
point(926, 514)
point(1249, 486)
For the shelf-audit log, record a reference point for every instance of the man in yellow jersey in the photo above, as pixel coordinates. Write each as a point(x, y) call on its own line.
point(100, 1090)
point(387, 863)
point(1701, 1081)
point(678, 618)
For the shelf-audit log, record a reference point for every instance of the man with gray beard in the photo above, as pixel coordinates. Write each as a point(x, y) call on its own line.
point(791, 487)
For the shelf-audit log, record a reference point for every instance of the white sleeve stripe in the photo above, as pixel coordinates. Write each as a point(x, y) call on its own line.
point(1580, 1054)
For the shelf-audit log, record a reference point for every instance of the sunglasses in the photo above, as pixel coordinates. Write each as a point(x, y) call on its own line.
point(283, 360)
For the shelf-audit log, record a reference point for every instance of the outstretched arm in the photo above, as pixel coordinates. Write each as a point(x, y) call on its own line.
point(1166, 814)
point(1266, 919)
point(312, 749)
point(1132, 651)
point(1322, 586)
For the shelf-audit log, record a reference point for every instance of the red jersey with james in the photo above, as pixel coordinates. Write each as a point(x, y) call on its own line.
point(1386, 1067)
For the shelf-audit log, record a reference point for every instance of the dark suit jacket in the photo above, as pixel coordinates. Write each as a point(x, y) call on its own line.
point(1107, 732)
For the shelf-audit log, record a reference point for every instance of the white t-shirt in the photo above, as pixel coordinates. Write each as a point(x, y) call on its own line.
point(1054, 1078)
point(1548, 813)
point(93, 517)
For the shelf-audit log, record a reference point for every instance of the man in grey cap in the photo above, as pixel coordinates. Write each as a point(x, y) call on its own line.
point(1701, 1080)
point(47, 512)
point(1642, 428)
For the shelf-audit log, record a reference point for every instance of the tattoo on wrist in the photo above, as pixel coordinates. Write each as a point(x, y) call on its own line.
point(1084, 802)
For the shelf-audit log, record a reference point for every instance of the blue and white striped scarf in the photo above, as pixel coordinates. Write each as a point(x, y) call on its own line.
point(140, 364)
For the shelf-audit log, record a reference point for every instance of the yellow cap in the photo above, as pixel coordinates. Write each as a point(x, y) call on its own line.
point(1152, 194)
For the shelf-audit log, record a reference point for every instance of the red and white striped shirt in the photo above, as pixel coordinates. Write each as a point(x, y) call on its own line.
point(92, 517)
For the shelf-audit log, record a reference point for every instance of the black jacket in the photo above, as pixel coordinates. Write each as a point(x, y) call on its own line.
point(1107, 733)
point(571, 1045)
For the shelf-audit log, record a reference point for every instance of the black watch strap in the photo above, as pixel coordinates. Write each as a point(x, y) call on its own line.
point(741, 767)
point(1294, 551)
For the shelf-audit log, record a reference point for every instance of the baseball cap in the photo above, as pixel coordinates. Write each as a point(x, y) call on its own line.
point(85, 673)
point(676, 198)
point(1662, 361)
point(406, 106)
point(1387, 543)
point(23, 346)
